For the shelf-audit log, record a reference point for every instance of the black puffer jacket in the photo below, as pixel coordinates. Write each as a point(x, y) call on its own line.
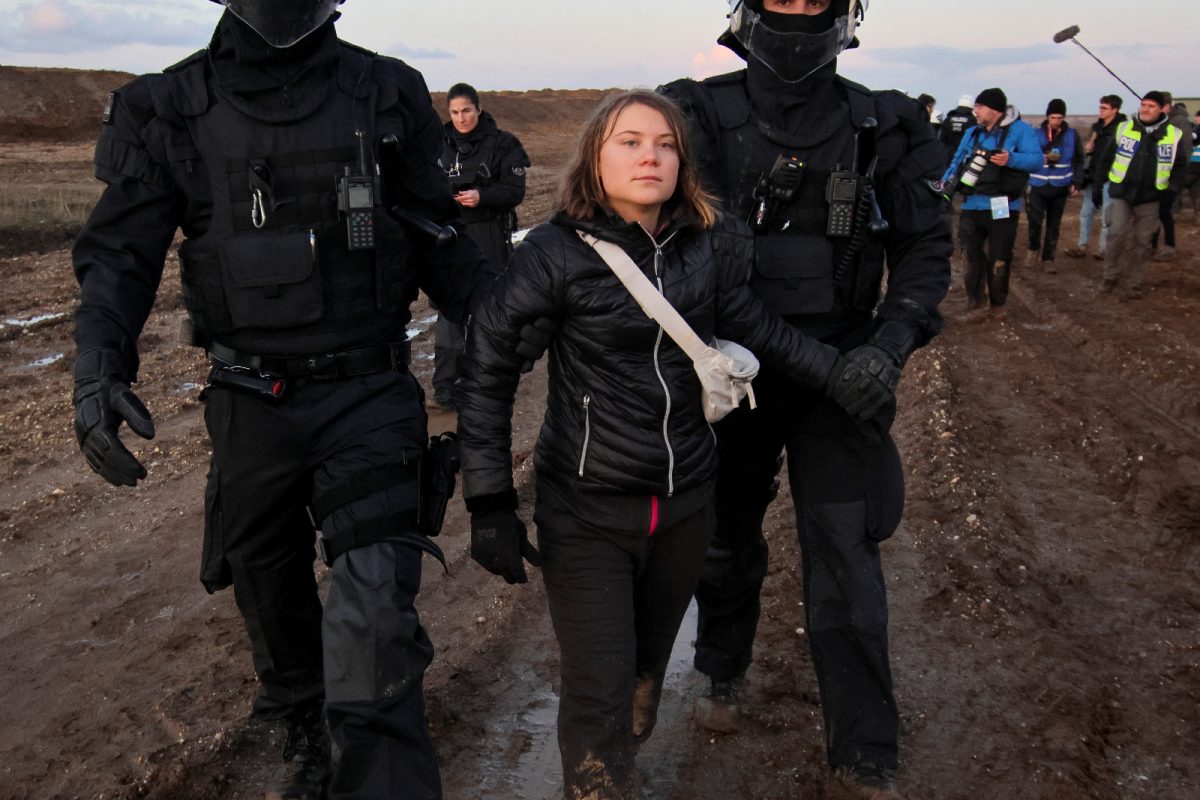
point(623, 414)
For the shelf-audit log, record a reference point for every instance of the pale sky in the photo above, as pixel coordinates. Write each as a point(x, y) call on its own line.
point(945, 47)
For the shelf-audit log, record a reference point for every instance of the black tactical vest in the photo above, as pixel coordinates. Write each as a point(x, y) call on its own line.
point(795, 263)
point(273, 272)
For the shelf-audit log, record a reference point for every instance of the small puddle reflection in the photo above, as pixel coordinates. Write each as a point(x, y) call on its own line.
point(538, 774)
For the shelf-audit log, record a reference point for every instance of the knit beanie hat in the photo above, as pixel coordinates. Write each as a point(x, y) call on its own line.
point(1056, 106)
point(1155, 97)
point(994, 99)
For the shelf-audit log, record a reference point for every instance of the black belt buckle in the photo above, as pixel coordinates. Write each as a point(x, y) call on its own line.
point(321, 368)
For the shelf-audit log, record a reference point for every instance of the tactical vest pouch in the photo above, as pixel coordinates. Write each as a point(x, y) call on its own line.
point(273, 280)
point(395, 283)
point(793, 274)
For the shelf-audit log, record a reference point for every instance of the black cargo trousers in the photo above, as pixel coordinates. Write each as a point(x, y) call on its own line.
point(848, 491)
point(366, 655)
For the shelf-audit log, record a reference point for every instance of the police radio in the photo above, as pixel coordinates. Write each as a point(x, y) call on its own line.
point(356, 195)
point(356, 200)
point(841, 192)
point(778, 185)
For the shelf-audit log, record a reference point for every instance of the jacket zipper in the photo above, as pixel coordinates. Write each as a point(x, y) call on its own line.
point(587, 431)
point(658, 371)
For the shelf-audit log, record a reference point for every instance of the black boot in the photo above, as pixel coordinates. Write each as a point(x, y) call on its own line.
point(306, 773)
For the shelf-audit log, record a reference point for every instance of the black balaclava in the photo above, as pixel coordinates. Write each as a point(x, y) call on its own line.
point(268, 83)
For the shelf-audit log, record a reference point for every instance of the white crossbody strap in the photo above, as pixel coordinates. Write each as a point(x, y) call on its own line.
point(648, 297)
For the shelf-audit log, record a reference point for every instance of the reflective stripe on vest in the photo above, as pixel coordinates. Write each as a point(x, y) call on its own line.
point(1062, 173)
point(1129, 141)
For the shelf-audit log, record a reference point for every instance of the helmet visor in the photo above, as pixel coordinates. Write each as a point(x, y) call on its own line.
point(282, 23)
point(792, 55)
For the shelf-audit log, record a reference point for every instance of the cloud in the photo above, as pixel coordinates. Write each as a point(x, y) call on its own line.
point(713, 61)
point(63, 26)
point(401, 50)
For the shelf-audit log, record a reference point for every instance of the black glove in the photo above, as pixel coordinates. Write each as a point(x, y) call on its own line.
point(103, 400)
point(1098, 195)
point(499, 541)
point(535, 340)
point(863, 381)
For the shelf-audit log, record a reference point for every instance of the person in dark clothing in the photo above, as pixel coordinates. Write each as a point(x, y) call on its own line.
point(770, 139)
point(250, 147)
point(626, 461)
point(486, 167)
point(930, 103)
point(1101, 134)
point(955, 123)
point(1176, 115)
point(1146, 158)
point(1192, 181)
point(1050, 186)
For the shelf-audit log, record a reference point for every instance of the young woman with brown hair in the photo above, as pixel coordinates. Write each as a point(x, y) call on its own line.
point(625, 462)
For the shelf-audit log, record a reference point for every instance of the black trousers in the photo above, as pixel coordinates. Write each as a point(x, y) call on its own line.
point(365, 653)
point(848, 490)
point(492, 238)
point(1046, 204)
point(616, 599)
point(989, 248)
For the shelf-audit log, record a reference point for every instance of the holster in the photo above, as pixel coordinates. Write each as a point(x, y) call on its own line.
point(437, 472)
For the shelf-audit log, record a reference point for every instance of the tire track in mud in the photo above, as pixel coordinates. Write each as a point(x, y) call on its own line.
point(1049, 492)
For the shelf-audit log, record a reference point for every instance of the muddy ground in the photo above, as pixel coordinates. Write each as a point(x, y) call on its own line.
point(1044, 584)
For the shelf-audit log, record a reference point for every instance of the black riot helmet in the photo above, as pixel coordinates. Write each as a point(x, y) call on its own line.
point(282, 23)
point(793, 46)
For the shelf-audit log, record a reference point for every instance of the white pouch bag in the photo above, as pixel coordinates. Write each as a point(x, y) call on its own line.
point(725, 368)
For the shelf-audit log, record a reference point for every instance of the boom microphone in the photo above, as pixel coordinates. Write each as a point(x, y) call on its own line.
point(1069, 34)
point(1066, 33)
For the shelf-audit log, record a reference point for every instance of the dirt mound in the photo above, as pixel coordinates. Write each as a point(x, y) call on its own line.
point(55, 105)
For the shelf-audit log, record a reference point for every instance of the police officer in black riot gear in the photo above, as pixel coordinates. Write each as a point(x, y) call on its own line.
point(835, 180)
point(278, 151)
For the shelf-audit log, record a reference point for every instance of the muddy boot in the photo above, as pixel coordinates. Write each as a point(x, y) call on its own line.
point(1049, 268)
point(646, 695)
point(866, 781)
point(719, 710)
point(1075, 252)
point(306, 773)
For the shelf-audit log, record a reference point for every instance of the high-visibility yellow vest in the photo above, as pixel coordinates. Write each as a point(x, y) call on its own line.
point(1129, 141)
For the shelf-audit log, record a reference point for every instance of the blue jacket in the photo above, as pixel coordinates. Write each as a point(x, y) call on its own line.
point(1025, 154)
point(1061, 174)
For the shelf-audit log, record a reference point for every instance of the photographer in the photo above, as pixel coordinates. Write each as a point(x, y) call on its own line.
point(486, 167)
point(991, 166)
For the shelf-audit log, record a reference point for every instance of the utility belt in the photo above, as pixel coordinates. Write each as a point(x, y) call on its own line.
point(269, 375)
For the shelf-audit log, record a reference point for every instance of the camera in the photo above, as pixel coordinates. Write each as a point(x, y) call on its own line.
point(975, 166)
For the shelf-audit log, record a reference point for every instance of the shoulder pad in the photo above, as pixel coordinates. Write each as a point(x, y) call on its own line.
point(362, 51)
point(137, 98)
point(395, 80)
point(182, 90)
point(727, 93)
point(198, 57)
point(737, 76)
